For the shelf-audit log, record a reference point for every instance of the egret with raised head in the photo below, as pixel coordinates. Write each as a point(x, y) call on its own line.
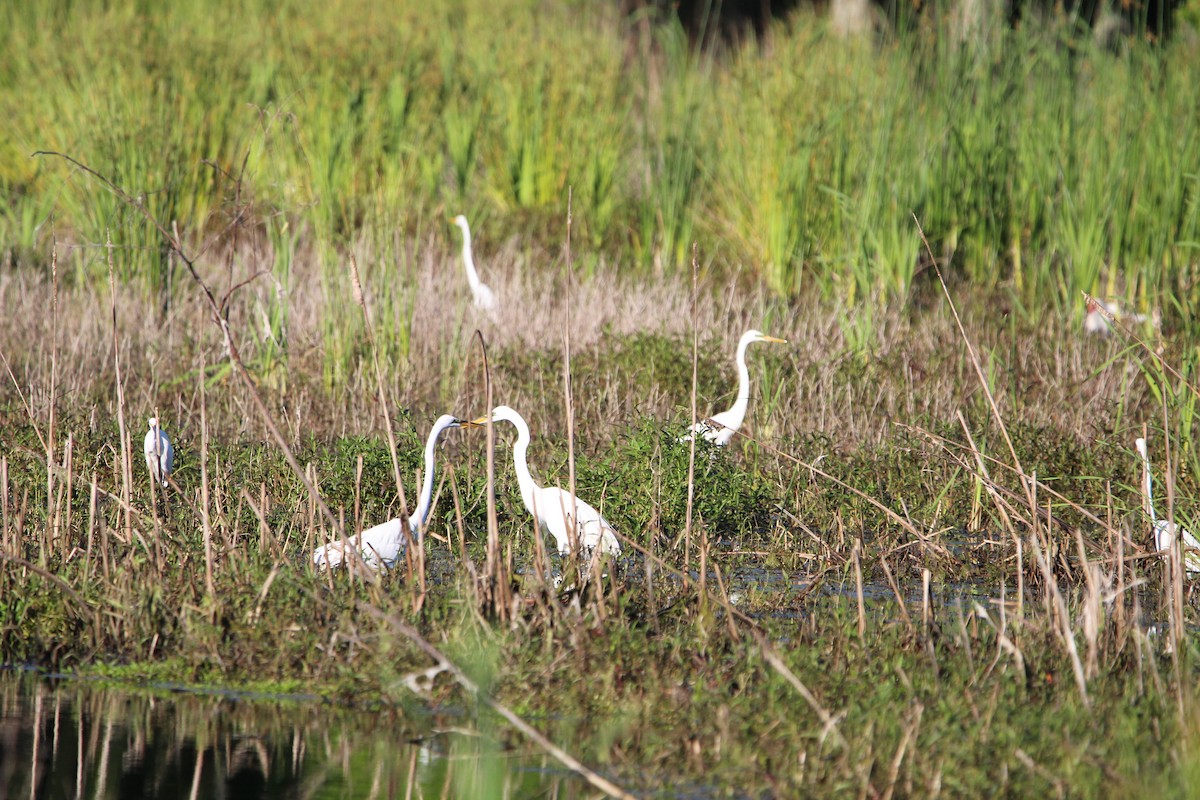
point(720, 428)
point(484, 297)
point(557, 511)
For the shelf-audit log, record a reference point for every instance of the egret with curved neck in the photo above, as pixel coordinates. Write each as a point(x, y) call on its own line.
point(557, 511)
point(728, 422)
point(382, 545)
point(1165, 530)
point(484, 297)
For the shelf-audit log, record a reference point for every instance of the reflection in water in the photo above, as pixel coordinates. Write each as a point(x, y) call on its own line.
point(78, 740)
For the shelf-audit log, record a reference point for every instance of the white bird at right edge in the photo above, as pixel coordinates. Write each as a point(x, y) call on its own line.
point(1165, 530)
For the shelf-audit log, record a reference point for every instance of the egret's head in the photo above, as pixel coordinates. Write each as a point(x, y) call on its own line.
point(499, 414)
point(460, 221)
point(153, 423)
point(447, 421)
point(759, 336)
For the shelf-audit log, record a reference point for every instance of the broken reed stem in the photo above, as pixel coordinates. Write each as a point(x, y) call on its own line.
point(51, 515)
point(91, 527)
point(691, 478)
point(67, 505)
point(492, 562)
point(568, 399)
point(858, 589)
point(126, 457)
point(1175, 571)
point(204, 488)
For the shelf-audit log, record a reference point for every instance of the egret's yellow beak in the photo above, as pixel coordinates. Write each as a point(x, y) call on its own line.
point(773, 339)
point(475, 423)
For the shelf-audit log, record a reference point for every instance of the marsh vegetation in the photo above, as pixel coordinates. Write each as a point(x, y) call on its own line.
point(923, 565)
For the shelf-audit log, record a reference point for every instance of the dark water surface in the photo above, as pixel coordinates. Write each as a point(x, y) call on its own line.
point(83, 739)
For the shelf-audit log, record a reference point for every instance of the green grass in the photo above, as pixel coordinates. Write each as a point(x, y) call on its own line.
point(1052, 166)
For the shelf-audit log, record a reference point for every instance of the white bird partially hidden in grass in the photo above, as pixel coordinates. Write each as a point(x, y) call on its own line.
point(556, 510)
point(160, 455)
point(383, 545)
point(1165, 530)
point(1100, 311)
point(485, 299)
point(720, 428)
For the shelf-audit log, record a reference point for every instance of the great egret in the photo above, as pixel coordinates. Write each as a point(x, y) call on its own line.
point(383, 545)
point(1165, 530)
point(484, 298)
point(555, 509)
point(728, 422)
point(160, 456)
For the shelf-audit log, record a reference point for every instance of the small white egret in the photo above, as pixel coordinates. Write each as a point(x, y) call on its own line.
point(555, 509)
point(1165, 530)
point(160, 455)
point(484, 298)
point(728, 422)
point(1099, 311)
point(383, 545)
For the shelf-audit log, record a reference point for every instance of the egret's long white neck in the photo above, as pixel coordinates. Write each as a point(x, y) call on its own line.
point(416, 522)
point(520, 462)
point(1141, 448)
point(468, 258)
point(737, 412)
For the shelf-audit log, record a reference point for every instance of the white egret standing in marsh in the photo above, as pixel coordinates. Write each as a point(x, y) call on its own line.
point(382, 545)
point(1165, 530)
point(728, 422)
point(160, 455)
point(484, 298)
point(556, 510)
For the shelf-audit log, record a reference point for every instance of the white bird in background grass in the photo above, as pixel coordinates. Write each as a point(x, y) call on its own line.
point(556, 510)
point(160, 456)
point(484, 298)
point(1165, 530)
point(728, 422)
point(1099, 311)
point(383, 545)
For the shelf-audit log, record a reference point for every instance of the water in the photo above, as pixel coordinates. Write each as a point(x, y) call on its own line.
point(69, 738)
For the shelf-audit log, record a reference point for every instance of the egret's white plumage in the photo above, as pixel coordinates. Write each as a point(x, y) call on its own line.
point(556, 510)
point(720, 428)
point(160, 455)
point(383, 545)
point(1165, 530)
point(484, 297)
